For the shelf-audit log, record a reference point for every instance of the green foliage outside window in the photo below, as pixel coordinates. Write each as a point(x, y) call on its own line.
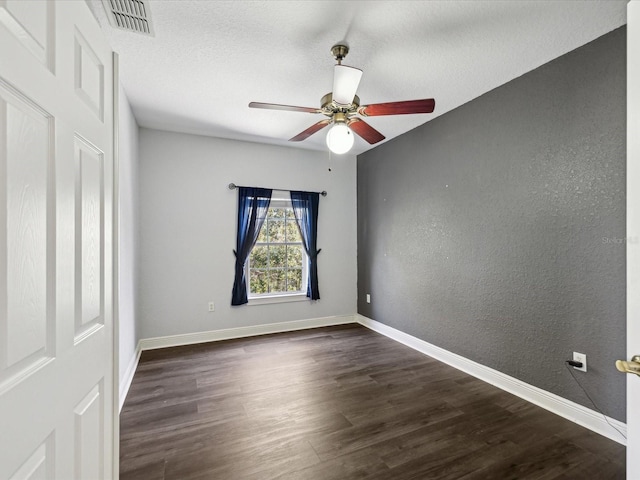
point(276, 261)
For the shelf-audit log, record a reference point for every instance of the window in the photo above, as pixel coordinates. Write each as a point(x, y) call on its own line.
point(278, 263)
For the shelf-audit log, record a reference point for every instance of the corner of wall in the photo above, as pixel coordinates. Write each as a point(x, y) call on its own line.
point(128, 200)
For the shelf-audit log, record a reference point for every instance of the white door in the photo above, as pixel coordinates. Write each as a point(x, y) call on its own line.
point(633, 233)
point(56, 176)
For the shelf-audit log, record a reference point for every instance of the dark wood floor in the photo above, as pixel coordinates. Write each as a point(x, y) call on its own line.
point(339, 403)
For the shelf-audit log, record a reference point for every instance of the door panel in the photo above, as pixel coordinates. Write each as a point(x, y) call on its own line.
point(31, 24)
point(89, 76)
point(39, 465)
point(89, 449)
point(25, 336)
point(56, 203)
point(89, 173)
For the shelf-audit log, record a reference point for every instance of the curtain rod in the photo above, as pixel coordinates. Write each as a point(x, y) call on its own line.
point(233, 186)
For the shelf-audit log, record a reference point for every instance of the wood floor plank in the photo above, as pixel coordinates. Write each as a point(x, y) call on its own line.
point(360, 464)
point(542, 461)
point(339, 403)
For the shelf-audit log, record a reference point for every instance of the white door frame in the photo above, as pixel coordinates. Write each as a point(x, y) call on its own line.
point(116, 266)
point(633, 233)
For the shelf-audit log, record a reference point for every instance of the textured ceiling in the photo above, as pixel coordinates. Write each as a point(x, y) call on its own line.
point(209, 59)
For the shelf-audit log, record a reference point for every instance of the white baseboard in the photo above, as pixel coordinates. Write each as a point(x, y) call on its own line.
point(241, 332)
point(125, 383)
point(561, 406)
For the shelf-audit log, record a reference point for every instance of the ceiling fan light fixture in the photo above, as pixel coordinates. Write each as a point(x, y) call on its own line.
point(345, 83)
point(340, 138)
point(342, 107)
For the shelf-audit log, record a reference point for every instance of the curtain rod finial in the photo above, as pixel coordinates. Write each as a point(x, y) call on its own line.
point(232, 186)
point(323, 193)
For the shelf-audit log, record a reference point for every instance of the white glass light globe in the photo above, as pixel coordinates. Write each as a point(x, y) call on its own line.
point(340, 139)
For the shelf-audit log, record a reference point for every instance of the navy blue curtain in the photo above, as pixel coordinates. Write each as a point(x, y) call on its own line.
point(253, 204)
point(305, 209)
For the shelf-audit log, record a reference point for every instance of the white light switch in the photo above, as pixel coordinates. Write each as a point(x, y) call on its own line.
point(368, 298)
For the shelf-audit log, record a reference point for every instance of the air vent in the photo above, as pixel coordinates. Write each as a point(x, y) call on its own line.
point(129, 15)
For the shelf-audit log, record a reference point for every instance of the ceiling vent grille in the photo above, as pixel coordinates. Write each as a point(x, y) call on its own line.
point(129, 15)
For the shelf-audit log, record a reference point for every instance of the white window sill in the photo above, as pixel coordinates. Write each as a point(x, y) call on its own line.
point(267, 299)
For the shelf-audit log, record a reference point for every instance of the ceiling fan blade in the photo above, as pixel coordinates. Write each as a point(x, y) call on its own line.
point(311, 130)
point(290, 108)
point(398, 108)
point(345, 83)
point(365, 130)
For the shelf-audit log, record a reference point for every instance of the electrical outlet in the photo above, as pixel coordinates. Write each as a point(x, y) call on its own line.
point(368, 298)
point(580, 357)
point(212, 307)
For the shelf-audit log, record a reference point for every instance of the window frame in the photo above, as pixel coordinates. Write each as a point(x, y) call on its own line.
point(279, 199)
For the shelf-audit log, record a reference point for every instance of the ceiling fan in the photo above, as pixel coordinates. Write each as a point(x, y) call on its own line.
point(342, 105)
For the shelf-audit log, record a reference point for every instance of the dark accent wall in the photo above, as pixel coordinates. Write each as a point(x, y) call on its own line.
point(497, 230)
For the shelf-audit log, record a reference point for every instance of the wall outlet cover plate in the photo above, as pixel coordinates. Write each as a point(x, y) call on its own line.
point(580, 357)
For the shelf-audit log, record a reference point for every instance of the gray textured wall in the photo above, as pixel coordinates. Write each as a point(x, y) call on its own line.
point(496, 231)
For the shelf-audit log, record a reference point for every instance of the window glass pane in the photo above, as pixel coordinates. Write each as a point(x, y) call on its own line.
point(262, 237)
point(294, 256)
point(277, 281)
point(294, 280)
point(276, 231)
point(276, 213)
point(277, 256)
point(293, 233)
point(258, 257)
point(277, 260)
point(258, 282)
